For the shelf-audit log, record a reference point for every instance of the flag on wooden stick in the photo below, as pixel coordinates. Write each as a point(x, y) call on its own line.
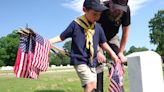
point(115, 77)
point(32, 56)
point(21, 65)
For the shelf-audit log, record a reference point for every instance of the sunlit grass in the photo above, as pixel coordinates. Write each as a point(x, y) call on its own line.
point(52, 81)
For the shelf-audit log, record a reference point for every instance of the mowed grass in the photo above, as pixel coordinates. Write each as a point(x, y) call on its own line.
point(51, 81)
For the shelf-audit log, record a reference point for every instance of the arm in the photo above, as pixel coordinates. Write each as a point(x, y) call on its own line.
point(125, 31)
point(124, 38)
point(100, 56)
point(64, 35)
point(55, 40)
point(123, 42)
point(108, 49)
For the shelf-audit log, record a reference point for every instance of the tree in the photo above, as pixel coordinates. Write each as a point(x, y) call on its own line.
point(156, 26)
point(59, 59)
point(55, 59)
point(2, 56)
point(8, 49)
point(65, 60)
point(135, 49)
point(67, 45)
point(51, 58)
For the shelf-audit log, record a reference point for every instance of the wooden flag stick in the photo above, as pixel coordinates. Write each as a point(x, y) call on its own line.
point(61, 51)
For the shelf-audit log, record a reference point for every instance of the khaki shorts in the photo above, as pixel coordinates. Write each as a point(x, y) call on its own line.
point(86, 74)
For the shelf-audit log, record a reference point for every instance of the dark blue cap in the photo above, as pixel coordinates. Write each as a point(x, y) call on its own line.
point(95, 5)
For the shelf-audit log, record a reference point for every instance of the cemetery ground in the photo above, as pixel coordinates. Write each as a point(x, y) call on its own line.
point(54, 80)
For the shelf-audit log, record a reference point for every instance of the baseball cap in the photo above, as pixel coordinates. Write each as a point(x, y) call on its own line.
point(120, 2)
point(95, 5)
point(121, 7)
point(116, 5)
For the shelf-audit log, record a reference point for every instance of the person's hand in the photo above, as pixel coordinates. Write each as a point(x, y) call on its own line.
point(122, 57)
point(116, 59)
point(100, 57)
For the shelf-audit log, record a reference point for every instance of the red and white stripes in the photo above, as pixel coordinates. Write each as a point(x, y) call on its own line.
point(32, 57)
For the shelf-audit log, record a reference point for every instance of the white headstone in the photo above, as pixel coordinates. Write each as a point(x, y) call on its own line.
point(7, 68)
point(145, 72)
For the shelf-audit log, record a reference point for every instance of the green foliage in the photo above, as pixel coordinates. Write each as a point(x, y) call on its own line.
point(135, 49)
point(55, 59)
point(65, 60)
point(1, 63)
point(156, 26)
point(59, 59)
point(51, 59)
point(3, 56)
point(67, 45)
point(8, 49)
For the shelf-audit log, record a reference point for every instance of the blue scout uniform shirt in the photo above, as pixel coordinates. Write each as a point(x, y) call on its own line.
point(79, 53)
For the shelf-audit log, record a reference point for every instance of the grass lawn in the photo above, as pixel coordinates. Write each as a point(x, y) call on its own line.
point(48, 82)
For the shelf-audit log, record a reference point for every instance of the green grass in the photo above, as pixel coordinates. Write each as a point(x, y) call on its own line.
point(48, 82)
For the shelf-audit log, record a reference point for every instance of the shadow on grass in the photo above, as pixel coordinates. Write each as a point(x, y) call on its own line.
point(49, 91)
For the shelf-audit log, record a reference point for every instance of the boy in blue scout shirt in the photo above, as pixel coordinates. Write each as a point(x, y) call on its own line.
point(86, 35)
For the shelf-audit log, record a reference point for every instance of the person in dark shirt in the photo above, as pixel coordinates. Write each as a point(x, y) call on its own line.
point(117, 15)
point(86, 35)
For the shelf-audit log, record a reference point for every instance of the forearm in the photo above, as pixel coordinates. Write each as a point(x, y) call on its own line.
point(124, 39)
point(108, 49)
point(55, 40)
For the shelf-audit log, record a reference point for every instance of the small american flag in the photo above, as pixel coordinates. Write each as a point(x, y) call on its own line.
point(32, 56)
point(116, 77)
point(21, 65)
point(41, 51)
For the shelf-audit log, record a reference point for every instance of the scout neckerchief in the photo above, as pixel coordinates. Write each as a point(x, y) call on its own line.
point(89, 32)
